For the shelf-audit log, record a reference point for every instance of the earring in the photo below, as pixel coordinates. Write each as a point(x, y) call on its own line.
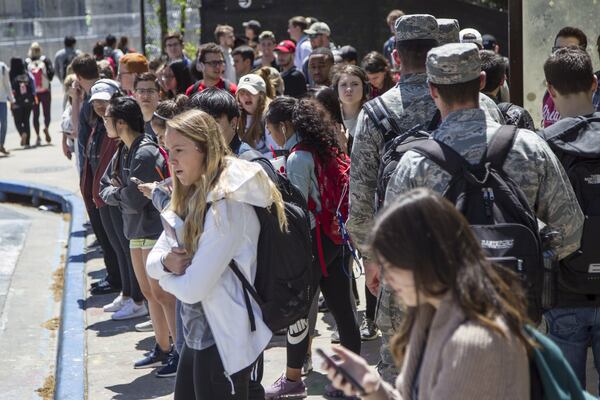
point(283, 131)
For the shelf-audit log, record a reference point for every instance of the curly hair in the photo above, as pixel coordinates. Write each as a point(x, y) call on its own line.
point(313, 131)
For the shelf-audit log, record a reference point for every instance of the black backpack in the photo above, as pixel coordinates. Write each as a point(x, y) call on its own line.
point(496, 208)
point(576, 142)
point(286, 279)
point(394, 139)
point(24, 95)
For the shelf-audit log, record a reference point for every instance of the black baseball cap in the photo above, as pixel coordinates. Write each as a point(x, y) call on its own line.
point(348, 53)
point(489, 41)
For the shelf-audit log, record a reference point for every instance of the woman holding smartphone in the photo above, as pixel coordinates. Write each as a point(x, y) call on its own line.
point(215, 195)
point(462, 337)
point(139, 158)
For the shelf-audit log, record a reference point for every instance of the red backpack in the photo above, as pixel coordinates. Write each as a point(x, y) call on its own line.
point(333, 178)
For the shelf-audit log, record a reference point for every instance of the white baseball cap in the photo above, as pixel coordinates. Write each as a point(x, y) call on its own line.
point(104, 89)
point(252, 83)
point(470, 35)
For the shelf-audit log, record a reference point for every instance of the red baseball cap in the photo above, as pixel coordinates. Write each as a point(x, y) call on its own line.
point(287, 46)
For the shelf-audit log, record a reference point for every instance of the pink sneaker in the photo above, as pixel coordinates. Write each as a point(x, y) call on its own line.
point(284, 389)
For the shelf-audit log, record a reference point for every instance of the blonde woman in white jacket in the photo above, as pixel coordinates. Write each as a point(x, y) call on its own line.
point(220, 347)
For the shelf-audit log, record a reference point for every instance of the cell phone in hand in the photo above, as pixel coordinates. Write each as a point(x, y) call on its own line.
point(339, 370)
point(136, 180)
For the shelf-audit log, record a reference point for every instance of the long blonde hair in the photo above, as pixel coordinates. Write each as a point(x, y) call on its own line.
point(256, 130)
point(189, 202)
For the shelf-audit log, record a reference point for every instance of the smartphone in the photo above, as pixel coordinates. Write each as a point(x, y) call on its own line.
point(136, 180)
point(339, 370)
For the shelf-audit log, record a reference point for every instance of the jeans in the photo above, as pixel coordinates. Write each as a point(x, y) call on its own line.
point(573, 330)
point(3, 122)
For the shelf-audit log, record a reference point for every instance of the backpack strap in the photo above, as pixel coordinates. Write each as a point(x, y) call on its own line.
point(381, 116)
point(246, 285)
point(500, 145)
point(248, 288)
point(441, 154)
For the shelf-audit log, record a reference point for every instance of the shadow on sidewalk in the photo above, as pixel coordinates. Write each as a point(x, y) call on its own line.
point(110, 327)
point(144, 387)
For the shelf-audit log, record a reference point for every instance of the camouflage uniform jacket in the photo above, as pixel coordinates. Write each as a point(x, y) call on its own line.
point(411, 105)
point(530, 163)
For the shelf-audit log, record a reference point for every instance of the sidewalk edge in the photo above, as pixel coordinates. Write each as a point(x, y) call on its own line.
point(70, 375)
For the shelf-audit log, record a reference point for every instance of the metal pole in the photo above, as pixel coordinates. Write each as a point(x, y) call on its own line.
point(515, 50)
point(143, 26)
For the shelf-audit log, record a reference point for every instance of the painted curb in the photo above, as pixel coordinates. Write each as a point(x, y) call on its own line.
point(70, 375)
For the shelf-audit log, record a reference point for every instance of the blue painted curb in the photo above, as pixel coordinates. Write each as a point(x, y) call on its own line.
point(70, 373)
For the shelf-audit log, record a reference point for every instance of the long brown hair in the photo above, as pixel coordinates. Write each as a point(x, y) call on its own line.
point(424, 233)
point(256, 130)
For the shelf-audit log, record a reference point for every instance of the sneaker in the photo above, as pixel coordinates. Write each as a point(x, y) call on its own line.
point(130, 310)
point(368, 329)
point(333, 393)
point(145, 326)
point(104, 287)
point(170, 369)
point(116, 304)
point(335, 336)
point(307, 366)
point(156, 358)
point(322, 305)
point(284, 389)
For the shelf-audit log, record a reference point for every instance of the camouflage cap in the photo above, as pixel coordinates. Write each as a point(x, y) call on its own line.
point(453, 63)
point(448, 31)
point(416, 27)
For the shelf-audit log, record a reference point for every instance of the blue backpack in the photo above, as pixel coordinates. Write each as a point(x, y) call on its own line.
point(552, 378)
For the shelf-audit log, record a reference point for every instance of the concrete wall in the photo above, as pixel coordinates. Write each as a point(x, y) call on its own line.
point(542, 21)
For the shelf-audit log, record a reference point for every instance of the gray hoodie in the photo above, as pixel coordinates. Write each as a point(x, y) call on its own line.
point(145, 162)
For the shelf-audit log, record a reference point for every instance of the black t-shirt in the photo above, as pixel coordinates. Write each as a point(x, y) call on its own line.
point(295, 83)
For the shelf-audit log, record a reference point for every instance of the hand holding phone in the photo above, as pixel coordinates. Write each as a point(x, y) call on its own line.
point(339, 370)
point(136, 180)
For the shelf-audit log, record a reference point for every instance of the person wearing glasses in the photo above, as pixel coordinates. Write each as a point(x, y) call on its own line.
point(567, 36)
point(173, 46)
point(211, 62)
point(131, 65)
point(146, 93)
point(139, 157)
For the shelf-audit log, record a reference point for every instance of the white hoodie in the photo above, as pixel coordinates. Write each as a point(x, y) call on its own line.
point(231, 231)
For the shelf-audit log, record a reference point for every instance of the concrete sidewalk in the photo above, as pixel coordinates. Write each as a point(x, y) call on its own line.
point(113, 346)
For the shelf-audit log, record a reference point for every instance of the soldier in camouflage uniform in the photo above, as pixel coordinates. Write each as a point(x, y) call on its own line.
point(449, 32)
point(410, 104)
point(530, 162)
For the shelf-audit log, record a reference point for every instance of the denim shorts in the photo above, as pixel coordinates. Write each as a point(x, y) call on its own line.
point(142, 243)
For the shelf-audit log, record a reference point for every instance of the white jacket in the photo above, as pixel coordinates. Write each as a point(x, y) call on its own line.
point(231, 231)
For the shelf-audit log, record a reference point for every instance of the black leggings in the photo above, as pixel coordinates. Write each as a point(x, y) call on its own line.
point(110, 257)
point(131, 287)
point(44, 100)
point(200, 376)
point(113, 225)
point(21, 115)
point(337, 290)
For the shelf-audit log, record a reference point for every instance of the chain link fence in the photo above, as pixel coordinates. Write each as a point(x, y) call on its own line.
point(16, 35)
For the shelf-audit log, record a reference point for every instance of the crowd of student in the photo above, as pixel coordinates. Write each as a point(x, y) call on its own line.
point(382, 163)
